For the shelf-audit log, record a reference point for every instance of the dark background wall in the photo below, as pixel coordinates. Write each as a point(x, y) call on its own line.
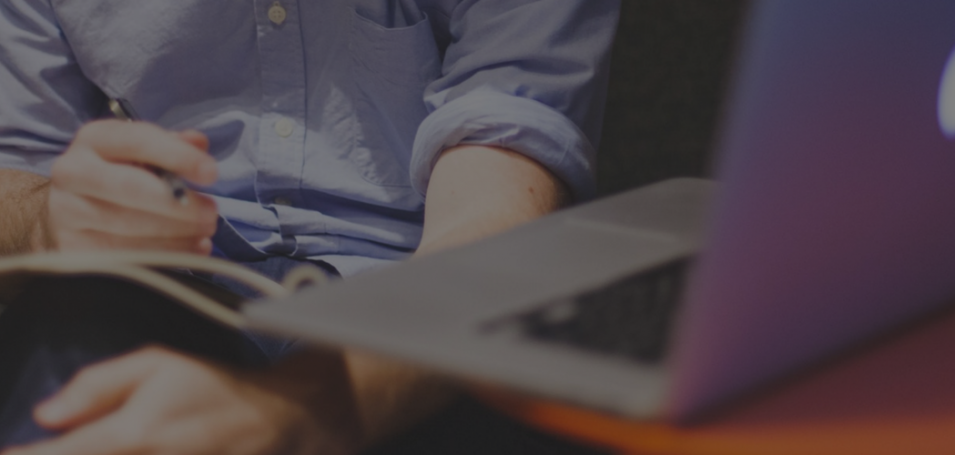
point(669, 70)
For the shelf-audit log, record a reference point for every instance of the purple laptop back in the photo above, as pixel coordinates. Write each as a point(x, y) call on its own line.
point(836, 218)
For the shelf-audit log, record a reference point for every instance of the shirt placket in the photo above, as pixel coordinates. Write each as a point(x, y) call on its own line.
point(281, 144)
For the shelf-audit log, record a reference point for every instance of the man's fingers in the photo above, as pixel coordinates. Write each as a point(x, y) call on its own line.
point(105, 437)
point(140, 142)
point(92, 214)
point(97, 390)
point(196, 138)
point(128, 186)
point(113, 219)
point(93, 240)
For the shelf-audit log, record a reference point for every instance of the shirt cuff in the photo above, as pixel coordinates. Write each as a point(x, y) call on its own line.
point(35, 162)
point(487, 117)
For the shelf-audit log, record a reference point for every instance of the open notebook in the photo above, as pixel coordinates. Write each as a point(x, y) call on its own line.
point(169, 274)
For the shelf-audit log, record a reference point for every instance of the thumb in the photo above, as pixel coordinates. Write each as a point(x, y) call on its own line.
point(94, 392)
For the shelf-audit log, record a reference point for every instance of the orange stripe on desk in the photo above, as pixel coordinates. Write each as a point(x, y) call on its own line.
point(897, 398)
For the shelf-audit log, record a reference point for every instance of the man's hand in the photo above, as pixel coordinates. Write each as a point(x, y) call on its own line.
point(102, 197)
point(155, 401)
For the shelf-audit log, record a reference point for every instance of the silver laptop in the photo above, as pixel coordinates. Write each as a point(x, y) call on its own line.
point(833, 222)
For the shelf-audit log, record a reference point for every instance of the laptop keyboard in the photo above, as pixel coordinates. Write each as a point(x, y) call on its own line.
point(629, 318)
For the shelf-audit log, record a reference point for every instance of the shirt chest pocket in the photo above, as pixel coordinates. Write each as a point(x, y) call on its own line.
point(393, 58)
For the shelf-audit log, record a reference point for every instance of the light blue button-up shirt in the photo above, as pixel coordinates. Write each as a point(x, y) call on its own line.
point(325, 116)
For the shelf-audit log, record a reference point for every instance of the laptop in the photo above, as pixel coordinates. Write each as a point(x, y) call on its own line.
point(833, 222)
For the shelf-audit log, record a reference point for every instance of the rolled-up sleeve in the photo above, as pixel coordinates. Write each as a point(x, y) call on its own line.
point(529, 76)
point(44, 96)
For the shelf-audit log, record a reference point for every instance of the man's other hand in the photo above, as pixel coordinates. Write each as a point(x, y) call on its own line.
point(155, 401)
point(102, 196)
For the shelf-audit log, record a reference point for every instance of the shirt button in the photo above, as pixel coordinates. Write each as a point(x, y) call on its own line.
point(284, 127)
point(282, 201)
point(277, 13)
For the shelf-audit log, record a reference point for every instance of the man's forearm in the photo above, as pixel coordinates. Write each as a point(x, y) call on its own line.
point(474, 192)
point(23, 212)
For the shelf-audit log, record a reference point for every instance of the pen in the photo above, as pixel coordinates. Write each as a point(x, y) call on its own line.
point(123, 111)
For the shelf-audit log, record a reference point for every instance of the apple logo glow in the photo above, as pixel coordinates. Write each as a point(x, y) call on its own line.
point(946, 99)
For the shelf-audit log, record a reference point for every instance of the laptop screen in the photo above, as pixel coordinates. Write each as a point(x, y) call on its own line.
point(837, 216)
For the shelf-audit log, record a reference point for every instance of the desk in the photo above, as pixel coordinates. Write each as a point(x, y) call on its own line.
point(895, 398)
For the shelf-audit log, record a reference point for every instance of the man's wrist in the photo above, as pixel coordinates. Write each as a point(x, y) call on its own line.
point(23, 213)
point(41, 237)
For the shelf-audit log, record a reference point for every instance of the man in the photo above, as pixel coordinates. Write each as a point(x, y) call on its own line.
point(313, 132)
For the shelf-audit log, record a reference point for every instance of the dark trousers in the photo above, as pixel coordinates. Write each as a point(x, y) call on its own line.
point(59, 325)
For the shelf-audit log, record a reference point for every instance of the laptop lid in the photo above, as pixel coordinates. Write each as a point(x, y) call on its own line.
point(836, 218)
